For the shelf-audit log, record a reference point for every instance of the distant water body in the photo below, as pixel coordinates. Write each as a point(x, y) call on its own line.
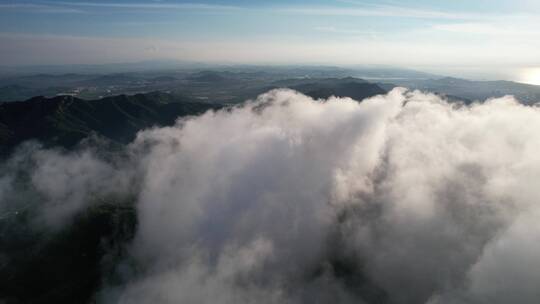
point(528, 75)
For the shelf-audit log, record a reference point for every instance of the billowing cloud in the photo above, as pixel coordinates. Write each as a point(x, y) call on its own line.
point(58, 184)
point(402, 198)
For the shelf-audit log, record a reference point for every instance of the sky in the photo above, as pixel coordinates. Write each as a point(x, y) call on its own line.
point(460, 35)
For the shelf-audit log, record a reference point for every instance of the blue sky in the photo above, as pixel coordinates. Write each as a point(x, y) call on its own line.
point(405, 33)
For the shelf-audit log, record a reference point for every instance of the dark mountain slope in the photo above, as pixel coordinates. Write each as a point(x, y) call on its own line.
point(356, 91)
point(65, 120)
point(65, 266)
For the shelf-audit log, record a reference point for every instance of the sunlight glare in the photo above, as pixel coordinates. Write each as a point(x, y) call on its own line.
point(531, 76)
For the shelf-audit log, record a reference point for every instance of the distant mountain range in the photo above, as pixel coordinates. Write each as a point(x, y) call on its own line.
point(220, 84)
point(234, 84)
point(471, 90)
point(66, 119)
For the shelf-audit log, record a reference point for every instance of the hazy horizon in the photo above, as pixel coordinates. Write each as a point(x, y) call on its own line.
point(415, 34)
point(526, 75)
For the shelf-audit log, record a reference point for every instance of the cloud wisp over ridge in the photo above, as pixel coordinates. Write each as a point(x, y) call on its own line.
point(401, 198)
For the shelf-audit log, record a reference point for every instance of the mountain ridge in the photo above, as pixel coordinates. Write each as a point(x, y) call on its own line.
point(66, 120)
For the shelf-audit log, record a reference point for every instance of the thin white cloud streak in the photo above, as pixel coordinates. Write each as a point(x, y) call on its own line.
point(396, 10)
point(38, 8)
point(377, 11)
point(149, 6)
point(353, 10)
point(383, 11)
point(331, 29)
point(514, 29)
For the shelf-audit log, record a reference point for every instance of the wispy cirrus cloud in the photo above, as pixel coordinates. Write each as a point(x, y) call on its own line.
point(38, 8)
point(342, 8)
point(347, 8)
point(490, 29)
point(380, 11)
point(152, 6)
point(345, 31)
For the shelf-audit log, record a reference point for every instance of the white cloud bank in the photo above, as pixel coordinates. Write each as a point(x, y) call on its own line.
point(402, 198)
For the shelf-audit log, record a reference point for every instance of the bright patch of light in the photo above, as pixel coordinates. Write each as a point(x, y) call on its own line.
point(531, 76)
